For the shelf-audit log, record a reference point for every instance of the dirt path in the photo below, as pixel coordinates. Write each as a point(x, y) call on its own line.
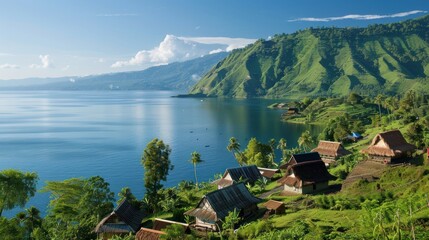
point(274, 190)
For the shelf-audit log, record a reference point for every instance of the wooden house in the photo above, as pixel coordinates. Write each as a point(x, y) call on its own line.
point(268, 173)
point(248, 174)
point(275, 207)
point(292, 111)
point(389, 147)
point(123, 220)
point(216, 205)
point(330, 151)
point(306, 176)
point(300, 158)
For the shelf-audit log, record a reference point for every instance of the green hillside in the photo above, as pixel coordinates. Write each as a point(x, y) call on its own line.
point(389, 59)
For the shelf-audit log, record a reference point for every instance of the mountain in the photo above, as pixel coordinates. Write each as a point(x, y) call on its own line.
point(382, 58)
point(174, 76)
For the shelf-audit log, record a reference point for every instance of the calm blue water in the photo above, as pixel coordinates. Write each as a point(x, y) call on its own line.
point(62, 135)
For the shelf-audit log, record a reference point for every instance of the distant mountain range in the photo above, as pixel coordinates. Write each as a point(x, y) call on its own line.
point(382, 58)
point(174, 76)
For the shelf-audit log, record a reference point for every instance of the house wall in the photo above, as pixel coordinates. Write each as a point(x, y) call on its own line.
point(380, 159)
point(292, 189)
point(308, 188)
point(201, 223)
point(228, 177)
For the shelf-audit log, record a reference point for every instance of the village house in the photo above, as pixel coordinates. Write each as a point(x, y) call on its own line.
point(330, 151)
point(389, 147)
point(215, 206)
point(305, 173)
point(148, 234)
point(248, 174)
point(300, 158)
point(275, 207)
point(123, 220)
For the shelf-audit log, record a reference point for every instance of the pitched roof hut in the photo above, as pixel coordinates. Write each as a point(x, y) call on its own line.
point(248, 174)
point(216, 205)
point(330, 151)
point(275, 207)
point(300, 158)
point(389, 146)
point(123, 220)
point(307, 177)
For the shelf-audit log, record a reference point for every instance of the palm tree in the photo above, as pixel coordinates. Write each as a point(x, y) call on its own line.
point(305, 140)
point(195, 159)
point(282, 146)
point(379, 100)
point(234, 146)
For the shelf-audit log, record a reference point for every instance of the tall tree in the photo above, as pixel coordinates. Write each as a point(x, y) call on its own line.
point(76, 206)
point(16, 188)
point(195, 159)
point(234, 147)
point(306, 140)
point(156, 163)
point(379, 99)
point(259, 154)
point(282, 145)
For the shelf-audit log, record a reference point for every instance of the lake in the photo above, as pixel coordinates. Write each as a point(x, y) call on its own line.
point(62, 135)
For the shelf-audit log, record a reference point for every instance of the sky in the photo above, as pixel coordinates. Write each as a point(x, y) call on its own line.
point(53, 38)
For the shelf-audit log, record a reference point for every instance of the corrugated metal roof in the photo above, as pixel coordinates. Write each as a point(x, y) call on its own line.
point(300, 158)
point(224, 201)
point(245, 173)
point(125, 217)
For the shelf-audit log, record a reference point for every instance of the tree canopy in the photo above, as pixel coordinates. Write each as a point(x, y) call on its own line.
point(16, 188)
point(157, 164)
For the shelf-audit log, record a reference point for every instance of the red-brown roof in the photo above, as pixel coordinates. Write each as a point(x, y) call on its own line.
point(328, 148)
point(272, 204)
point(389, 144)
point(268, 172)
point(148, 234)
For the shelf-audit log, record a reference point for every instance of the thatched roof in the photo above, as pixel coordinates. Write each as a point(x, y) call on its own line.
point(306, 173)
point(160, 224)
point(124, 218)
point(223, 201)
point(272, 204)
point(148, 234)
point(389, 144)
point(300, 158)
point(328, 148)
point(268, 172)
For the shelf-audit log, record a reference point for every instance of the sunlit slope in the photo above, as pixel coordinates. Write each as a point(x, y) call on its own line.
point(389, 59)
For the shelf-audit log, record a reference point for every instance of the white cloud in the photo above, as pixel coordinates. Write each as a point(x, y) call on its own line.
point(66, 68)
point(357, 17)
point(46, 62)
point(174, 48)
point(196, 77)
point(101, 60)
point(9, 66)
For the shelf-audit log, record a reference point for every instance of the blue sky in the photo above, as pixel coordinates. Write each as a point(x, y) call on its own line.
point(48, 38)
